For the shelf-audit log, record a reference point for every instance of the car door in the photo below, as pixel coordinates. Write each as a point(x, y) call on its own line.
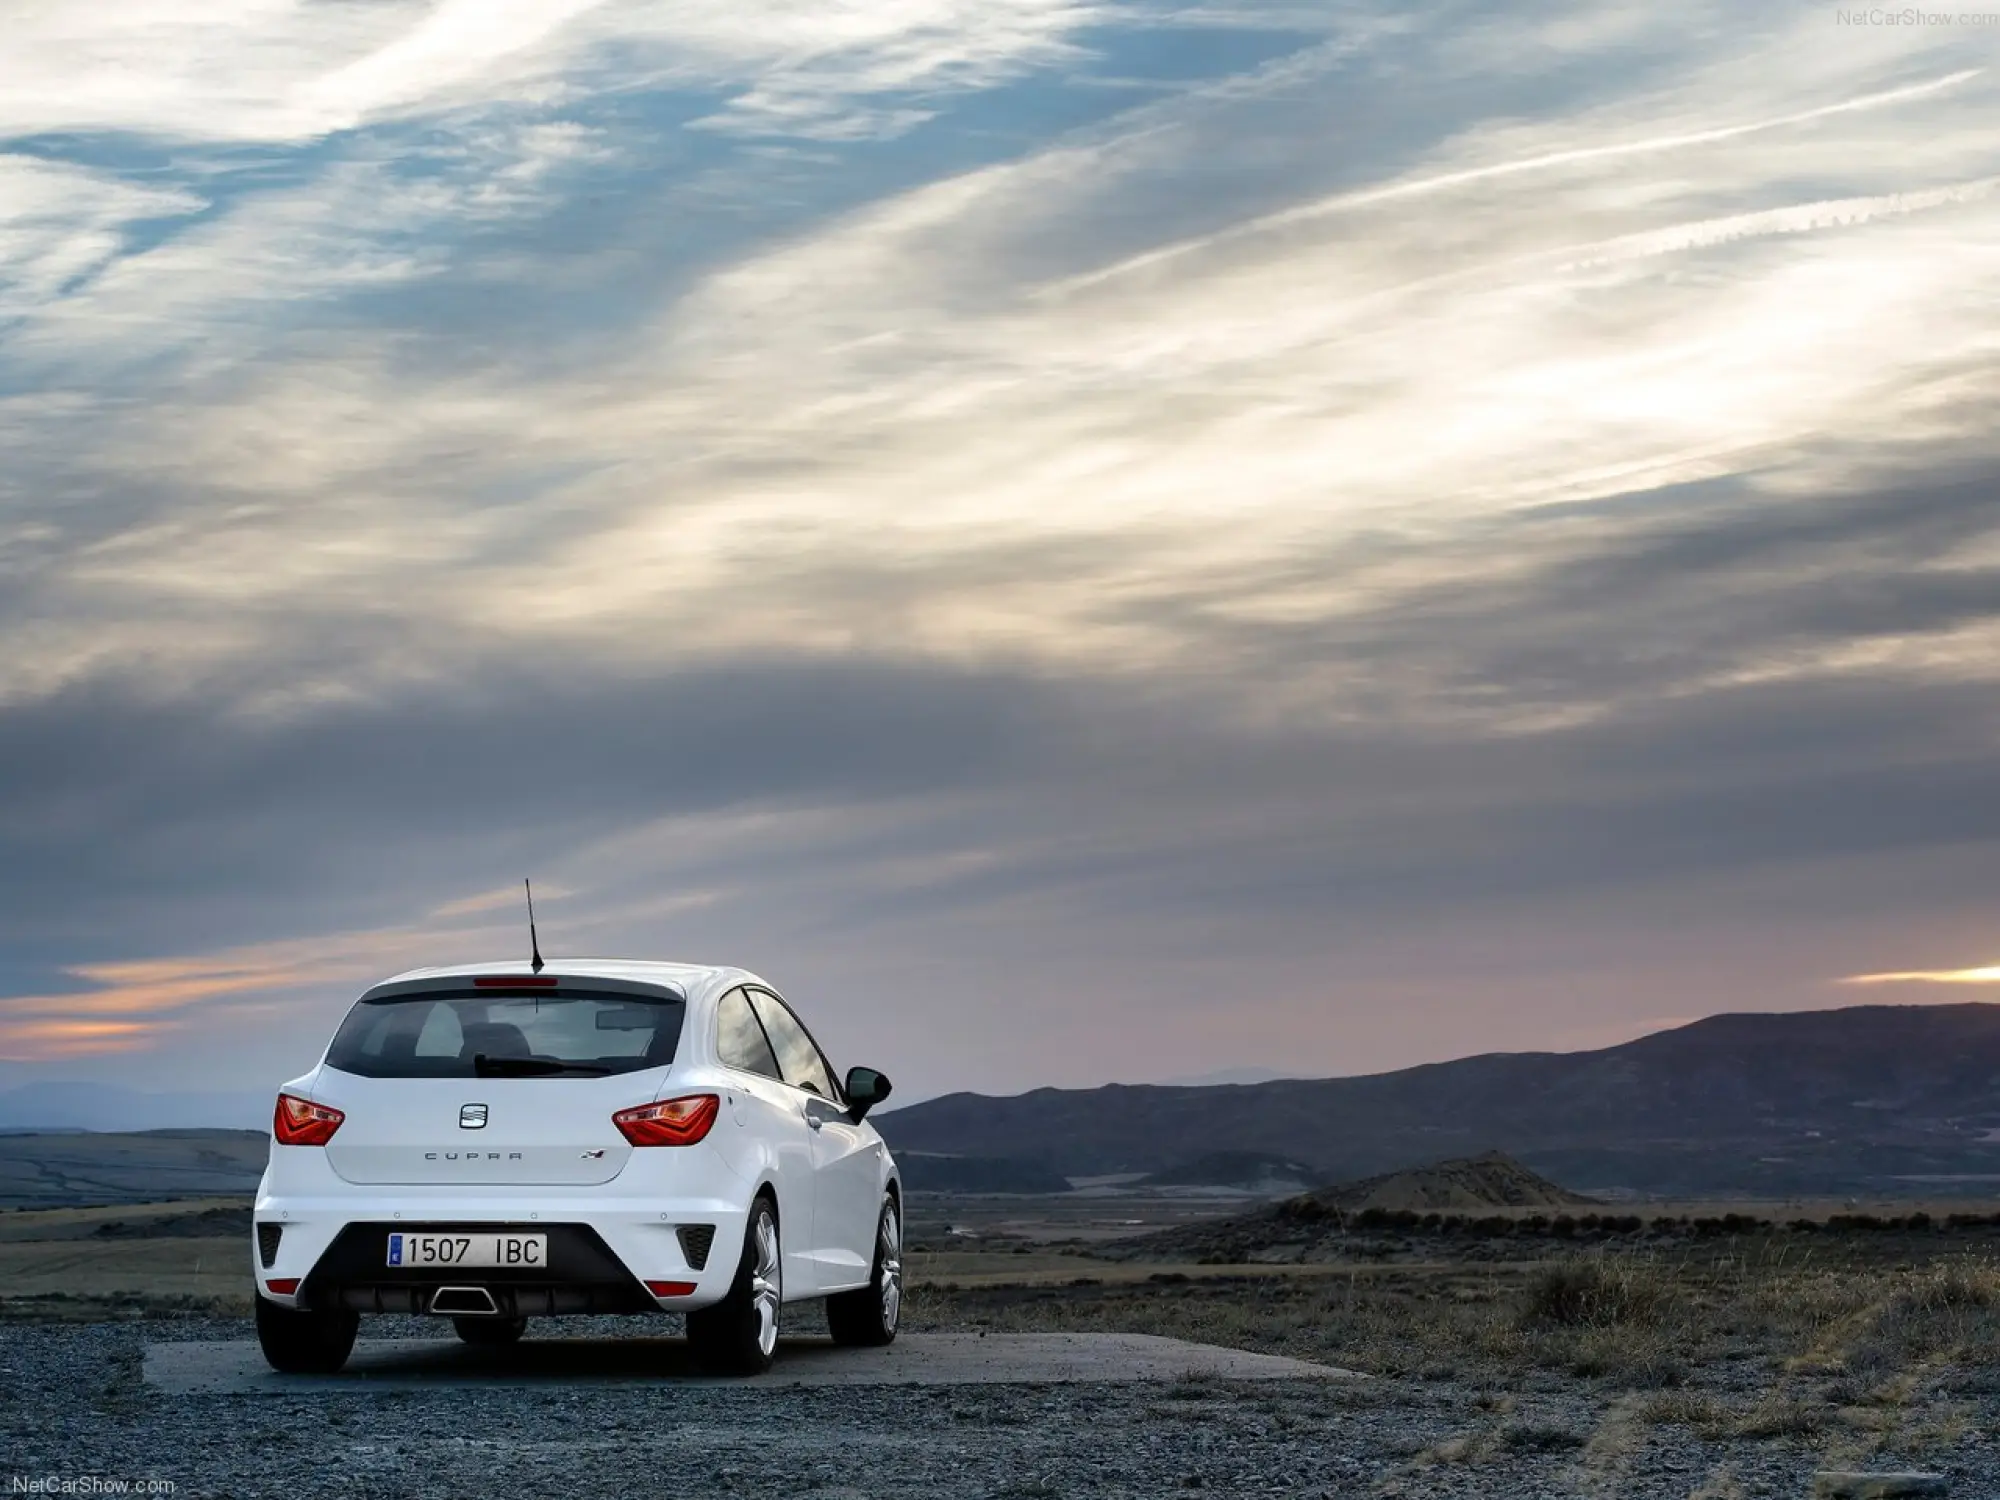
point(847, 1157)
point(770, 1109)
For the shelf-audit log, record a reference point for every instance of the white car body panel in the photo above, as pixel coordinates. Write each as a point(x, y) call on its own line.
point(549, 1153)
point(541, 1132)
point(768, 1136)
point(847, 1165)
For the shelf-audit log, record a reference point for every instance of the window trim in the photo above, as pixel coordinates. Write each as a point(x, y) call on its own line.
point(758, 1022)
point(839, 1097)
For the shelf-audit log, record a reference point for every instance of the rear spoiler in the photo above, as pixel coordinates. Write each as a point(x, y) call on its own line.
point(538, 984)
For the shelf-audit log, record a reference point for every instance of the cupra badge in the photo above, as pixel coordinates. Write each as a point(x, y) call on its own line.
point(472, 1117)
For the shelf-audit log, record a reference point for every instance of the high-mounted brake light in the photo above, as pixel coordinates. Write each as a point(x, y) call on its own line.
point(512, 982)
point(300, 1122)
point(671, 1122)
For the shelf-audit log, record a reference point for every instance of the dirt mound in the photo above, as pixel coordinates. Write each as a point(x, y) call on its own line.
point(1468, 1184)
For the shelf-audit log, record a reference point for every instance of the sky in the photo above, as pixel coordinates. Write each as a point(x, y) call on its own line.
point(1084, 541)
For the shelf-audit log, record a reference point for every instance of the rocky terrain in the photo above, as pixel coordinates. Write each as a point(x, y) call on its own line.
point(1530, 1350)
point(78, 1410)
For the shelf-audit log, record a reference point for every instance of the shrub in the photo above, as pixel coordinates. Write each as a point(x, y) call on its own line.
point(1950, 1286)
point(1592, 1292)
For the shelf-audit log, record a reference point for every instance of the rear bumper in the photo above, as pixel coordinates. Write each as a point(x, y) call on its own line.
point(333, 1252)
point(582, 1275)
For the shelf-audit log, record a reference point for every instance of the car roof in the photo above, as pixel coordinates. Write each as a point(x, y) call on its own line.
point(689, 979)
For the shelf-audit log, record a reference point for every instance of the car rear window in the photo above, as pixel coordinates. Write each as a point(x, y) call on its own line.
point(479, 1034)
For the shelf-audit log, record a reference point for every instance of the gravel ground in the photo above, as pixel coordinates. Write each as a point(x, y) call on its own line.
point(72, 1405)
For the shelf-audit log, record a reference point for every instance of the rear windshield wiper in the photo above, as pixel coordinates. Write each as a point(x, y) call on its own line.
point(528, 1067)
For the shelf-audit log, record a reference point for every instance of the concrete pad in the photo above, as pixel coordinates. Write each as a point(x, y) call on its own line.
point(1886, 1486)
point(238, 1369)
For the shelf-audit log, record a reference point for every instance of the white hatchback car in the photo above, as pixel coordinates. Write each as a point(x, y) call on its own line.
point(597, 1137)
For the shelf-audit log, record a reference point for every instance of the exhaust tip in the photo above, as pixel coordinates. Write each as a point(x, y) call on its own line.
point(463, 1300)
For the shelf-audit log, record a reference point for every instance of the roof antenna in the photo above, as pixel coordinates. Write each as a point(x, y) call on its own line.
point(534, 944)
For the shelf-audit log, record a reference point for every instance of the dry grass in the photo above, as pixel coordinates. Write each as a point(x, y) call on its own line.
point(1850, 1350)
point(1598, 1291)
point(1850, 1344)
point(67, 1277)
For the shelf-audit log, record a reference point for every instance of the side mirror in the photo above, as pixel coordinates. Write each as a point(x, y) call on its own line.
point(865, 1088)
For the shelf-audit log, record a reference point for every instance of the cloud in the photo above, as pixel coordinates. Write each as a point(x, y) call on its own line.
point(1987, 975)
point(505, 897)
point(840, 483)
point(133, 1004)
point(59, 224)
point(252, 70)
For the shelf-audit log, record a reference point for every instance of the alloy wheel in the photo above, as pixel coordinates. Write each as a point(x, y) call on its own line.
point(766, 1283)
point(889, 1250)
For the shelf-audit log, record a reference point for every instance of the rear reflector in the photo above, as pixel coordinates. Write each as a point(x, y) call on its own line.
point(300, 1122)
point(671, 1288)
point(284, 1286)
point(513, 982)
point(671, 1122)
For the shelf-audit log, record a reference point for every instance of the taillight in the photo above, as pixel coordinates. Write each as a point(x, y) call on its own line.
point(300, 1122)
point(671, 1122)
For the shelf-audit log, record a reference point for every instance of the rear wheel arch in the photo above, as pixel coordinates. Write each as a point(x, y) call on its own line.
point(739, 1334)
point(868, 1315)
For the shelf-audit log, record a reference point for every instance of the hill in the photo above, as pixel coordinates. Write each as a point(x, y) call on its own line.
point(1315, 1225)
point(1465, 1185)
point(1871, 1099)
point(52, 1106)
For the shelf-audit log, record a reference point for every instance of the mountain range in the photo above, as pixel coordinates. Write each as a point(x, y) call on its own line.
point(1896, 1100)
point(1869, 1099)
point(56, 1105)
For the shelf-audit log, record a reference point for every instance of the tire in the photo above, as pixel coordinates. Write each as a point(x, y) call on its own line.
point(490, 1333)
point(739, 1335)
point(298, 1342)
point(866, 1317)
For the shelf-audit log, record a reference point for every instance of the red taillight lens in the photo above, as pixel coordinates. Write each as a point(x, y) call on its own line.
point(284, 1286)
point(300, 1122)
point(671, 1122)
point(671, 1288)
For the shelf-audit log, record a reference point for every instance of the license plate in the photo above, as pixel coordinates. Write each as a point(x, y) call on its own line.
point(528, 1251)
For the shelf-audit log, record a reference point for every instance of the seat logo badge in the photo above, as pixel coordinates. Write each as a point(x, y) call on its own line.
point(472, 1117)
point(597, 1155)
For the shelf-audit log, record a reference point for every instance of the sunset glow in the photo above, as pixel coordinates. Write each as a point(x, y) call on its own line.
point(1459, 527)
point(1989, 974)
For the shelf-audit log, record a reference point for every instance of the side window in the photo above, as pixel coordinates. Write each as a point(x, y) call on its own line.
point(803, 1066)
point(739, 1040)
